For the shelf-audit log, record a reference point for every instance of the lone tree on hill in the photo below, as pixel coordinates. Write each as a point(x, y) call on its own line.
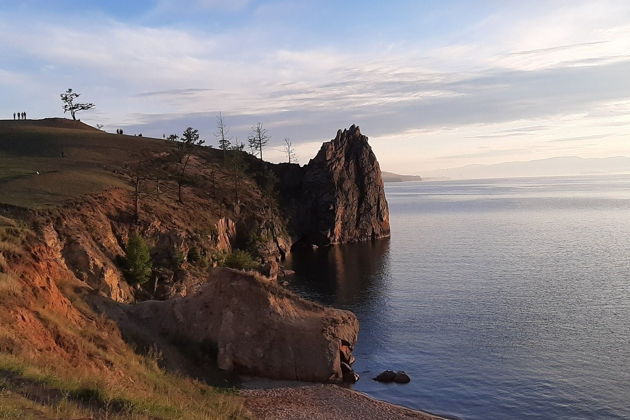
point(289, 150)
point(68, 103)
point(222, 135)
point(258, 139)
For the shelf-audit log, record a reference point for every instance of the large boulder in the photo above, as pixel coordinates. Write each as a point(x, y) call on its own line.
point(257, 327)
point(341, 193)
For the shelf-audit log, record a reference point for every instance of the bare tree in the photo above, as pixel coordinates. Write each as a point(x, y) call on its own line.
point(258, 139)
point(236, 165)
point(141, 171)
point(222, 135)
point(190, 139)
point(68, 99)
point(289, 150)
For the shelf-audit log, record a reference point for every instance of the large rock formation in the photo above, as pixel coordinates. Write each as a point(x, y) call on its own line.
point(257, 327)
point(341, 193)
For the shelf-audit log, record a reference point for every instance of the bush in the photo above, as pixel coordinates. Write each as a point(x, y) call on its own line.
point(193, 255)
point(177, 258)
point(137, 260)
point(218, 257)
point(89, 395)
point(241, 260)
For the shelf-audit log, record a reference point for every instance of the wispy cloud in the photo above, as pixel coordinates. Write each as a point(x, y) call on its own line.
point(496, 80)
point(558, 48)
point(173, 92)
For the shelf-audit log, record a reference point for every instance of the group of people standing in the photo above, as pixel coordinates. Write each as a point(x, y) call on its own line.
point(19, 115)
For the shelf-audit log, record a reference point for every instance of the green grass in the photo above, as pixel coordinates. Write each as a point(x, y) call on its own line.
point(241, 260)
point(28, 389)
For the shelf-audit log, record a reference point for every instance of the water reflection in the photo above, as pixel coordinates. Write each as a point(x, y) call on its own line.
point(347, 276)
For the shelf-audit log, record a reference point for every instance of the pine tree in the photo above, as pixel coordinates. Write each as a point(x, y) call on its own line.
point(138, 264)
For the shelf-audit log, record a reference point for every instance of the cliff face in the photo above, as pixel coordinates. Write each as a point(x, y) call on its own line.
point(54, 259)
point(257, 326)
point(341, 197)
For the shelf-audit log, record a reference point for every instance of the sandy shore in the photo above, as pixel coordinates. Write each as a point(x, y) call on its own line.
point(296, 400)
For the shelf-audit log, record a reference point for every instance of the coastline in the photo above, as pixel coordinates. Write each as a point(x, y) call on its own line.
point(272, 399)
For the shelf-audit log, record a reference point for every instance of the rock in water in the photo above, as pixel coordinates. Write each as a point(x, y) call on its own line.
point(343, 197)
point(402, 378)
point(386, 376)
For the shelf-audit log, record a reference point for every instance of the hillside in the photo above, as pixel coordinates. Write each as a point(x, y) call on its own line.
point(392, 177)
point(46, 162)
point(71, 197)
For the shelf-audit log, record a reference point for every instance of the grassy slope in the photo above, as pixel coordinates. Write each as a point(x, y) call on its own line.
point(99, 375)
point(89, 160)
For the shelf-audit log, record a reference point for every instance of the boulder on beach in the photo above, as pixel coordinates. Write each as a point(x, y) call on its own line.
point(258, 328)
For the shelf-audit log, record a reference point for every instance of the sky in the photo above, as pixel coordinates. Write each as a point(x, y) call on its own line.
point(433, 84)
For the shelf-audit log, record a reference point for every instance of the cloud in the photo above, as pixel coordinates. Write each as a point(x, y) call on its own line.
point(581, 138)
point(487, 153)
point(558, 48)
point(173, 92)
point(496, 71)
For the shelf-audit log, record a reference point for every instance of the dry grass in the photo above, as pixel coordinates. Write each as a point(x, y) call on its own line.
point(93, 372)
point(44, 166)
point(9, 284)
point(154, 393)
point(13, 235)
point(88, 369)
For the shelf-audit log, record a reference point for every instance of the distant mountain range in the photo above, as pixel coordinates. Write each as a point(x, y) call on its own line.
point(392, 177)
point(557, 166)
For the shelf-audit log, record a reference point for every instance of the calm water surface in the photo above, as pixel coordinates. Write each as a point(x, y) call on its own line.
point(501, 298)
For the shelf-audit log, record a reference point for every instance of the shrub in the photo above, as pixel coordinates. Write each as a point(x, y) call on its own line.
point(137, 260)
point(193, 255)
point(88, 395)
point(218, 257)
point(241, 260)
point(177, 258)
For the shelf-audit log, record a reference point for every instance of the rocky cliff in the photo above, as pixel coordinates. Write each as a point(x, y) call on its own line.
point(56, 255)
point(338, 197)
point(258, 328)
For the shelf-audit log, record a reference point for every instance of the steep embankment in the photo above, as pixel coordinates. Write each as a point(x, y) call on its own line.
point(70, 198)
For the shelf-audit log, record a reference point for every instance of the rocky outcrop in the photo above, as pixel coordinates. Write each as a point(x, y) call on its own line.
point(257, 327)
point(341, 193)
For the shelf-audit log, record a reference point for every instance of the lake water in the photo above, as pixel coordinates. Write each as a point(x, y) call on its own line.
point(502, 299)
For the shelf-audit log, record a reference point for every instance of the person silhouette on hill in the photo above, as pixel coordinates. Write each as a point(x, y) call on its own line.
point(23, 115)
point(14, 115)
